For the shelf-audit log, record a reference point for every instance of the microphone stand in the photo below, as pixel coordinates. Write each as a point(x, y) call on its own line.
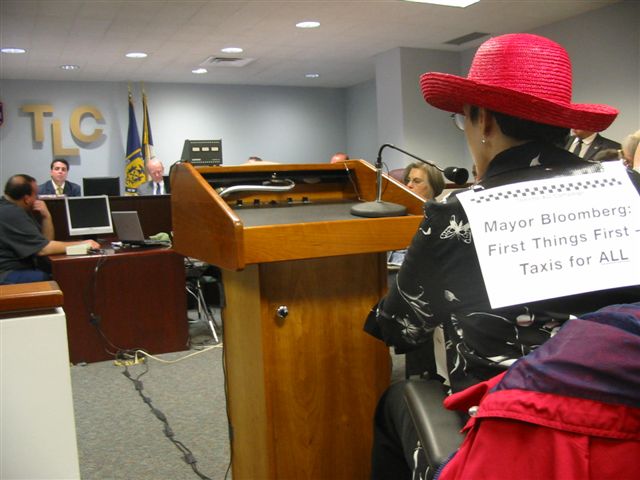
point(379, 208)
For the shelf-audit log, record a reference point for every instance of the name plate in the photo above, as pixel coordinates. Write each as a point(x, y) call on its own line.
point(556, 237)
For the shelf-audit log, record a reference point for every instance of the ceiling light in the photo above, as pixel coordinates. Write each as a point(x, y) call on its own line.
point(69, 67)
point(312, 75)
point(199, 71)
point(136, 55)
point(13, 50)
point(309, 24)
point(232, 50)
point(447, 3)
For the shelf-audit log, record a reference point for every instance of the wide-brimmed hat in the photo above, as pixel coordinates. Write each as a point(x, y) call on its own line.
point(521, 75)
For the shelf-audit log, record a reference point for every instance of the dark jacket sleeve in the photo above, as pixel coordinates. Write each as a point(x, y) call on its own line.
point(405, 317)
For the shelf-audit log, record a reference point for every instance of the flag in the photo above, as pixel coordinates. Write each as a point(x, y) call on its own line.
point(134, 171)
point(147, 138)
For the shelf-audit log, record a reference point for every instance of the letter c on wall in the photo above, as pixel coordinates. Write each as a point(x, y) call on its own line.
point(74, 123)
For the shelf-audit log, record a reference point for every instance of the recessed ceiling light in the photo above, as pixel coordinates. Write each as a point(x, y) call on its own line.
point(136, 55)
point(232, 50)
point(308, 24)
point(312, 75)
point(13, 50)
point(69, 67)
point(199, 71)
point(447, 3)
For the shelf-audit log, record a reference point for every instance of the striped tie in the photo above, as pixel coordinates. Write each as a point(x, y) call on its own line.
point(58, 190)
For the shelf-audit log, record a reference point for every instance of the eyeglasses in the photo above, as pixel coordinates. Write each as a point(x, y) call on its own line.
point(458, 120)
point(415, 180)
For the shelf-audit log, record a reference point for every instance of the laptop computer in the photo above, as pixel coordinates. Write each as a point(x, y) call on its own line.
point(129, 231)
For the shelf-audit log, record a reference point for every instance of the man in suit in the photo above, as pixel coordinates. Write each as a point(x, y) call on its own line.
point(58, 185)
point(157, 185)
point(587, 144)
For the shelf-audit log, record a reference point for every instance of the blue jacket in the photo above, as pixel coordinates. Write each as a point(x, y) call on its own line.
point(70, 189)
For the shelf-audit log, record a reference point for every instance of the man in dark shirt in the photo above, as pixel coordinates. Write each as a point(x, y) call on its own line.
point(26, 233)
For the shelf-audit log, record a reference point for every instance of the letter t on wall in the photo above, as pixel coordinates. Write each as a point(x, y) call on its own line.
point(38, 112)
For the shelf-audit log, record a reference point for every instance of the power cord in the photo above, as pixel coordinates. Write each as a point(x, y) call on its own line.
point(187, 455)
point(90, 294)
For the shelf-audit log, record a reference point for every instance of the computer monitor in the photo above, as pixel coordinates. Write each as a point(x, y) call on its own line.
point(92, 186)
point(202, 152)
point(88, 215)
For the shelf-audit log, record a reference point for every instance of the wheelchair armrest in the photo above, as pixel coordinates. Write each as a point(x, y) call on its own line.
point(438, 428)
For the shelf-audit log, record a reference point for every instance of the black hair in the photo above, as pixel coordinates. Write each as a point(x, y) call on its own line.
point(61, 160)
point(19, 186)
point(522, 129)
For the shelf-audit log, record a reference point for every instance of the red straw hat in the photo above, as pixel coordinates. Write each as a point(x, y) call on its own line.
point(522, 75)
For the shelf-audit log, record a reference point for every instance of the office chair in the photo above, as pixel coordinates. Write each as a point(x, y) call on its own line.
point(200, 276)
point(438, 429)
point(585, 405)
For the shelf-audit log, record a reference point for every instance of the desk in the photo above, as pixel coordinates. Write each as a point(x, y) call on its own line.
point(154, 212)
point(138, 295)
point(38, 426)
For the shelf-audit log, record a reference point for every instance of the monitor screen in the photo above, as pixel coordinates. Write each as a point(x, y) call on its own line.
point(202, 152)
point(92, 186)
point(88, 215)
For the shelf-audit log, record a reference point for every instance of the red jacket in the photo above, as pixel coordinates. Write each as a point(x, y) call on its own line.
point(570, 410)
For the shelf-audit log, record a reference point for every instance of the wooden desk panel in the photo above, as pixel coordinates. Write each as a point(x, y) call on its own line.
point(29, 296)
point(139, 296)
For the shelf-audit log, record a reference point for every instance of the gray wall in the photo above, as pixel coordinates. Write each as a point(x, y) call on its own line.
point(288, 125)
point(362, 121)
point(604, 46)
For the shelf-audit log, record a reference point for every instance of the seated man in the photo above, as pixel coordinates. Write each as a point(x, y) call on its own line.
point(26, 233)
point(58, 185)
point(155, 186)
point(339, 157)
point(586, 144)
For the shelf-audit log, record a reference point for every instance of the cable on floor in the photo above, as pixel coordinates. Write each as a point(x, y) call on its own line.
point(187, 455)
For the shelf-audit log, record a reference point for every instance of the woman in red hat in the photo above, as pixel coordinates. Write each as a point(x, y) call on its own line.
point(515, 110)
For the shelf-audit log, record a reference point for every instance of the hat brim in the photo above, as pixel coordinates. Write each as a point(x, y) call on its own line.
point(450, 92)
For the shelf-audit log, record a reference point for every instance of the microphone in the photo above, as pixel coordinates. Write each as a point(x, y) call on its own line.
point(378, 208)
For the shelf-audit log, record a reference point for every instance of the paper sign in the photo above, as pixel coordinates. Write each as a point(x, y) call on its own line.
point(555, 237)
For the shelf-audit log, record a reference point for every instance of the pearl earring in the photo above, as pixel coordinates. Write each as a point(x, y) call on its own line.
point(484, 140)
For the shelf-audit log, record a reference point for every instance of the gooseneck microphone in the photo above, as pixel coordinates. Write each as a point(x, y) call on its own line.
point(378, 208)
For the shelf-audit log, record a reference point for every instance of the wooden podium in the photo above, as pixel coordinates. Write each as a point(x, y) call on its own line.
point(300, 274)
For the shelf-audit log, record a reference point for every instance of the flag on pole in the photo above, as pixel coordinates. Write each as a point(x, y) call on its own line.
point(147, 138)
point(134, 170)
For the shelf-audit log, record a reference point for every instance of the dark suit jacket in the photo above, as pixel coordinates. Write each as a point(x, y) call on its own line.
point(147, 188)
point(599, 143)
point(70, 189)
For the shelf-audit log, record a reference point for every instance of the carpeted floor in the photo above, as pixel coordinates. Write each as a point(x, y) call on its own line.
point(120, 438)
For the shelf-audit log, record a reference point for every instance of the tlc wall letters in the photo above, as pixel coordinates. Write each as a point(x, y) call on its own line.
point(39, 110)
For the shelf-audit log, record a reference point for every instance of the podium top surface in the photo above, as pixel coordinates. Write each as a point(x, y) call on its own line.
point(237, 216)
point(297, 213)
